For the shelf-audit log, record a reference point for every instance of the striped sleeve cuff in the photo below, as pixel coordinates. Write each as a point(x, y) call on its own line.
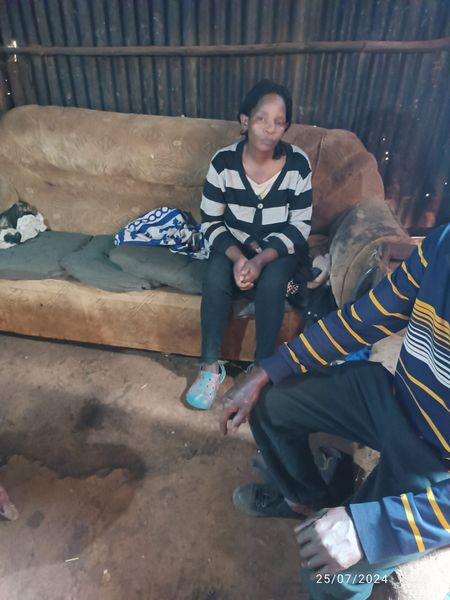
point(278, 366)
point(374, 531)
point(277, 244)
point(223, 242)
point(405, 525)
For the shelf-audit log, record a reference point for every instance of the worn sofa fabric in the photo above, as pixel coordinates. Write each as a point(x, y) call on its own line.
point(8, 193)
point(161, 320)
point(356, 244)
point(91, 265)
point(93, 171)
point(39, 258)
point(161, 266)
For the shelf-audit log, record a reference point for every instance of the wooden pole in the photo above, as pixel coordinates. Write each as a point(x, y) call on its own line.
point(235, 50)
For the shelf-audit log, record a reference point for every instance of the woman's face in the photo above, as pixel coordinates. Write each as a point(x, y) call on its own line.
point(266, 124)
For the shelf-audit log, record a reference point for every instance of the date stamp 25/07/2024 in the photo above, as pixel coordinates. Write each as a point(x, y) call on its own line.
point(350, 578)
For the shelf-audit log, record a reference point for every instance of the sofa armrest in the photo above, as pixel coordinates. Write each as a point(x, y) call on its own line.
point(356, 247)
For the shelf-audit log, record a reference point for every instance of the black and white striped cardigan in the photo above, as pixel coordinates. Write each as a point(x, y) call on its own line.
point(231, 211)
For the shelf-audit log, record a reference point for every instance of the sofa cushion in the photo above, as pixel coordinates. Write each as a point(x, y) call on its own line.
point(162, 265)
point(39, 258)
point(91, 265)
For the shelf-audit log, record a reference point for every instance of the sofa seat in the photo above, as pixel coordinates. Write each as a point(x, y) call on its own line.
point(165, 319)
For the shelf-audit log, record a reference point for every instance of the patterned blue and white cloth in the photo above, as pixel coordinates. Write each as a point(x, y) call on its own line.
point(165, 226)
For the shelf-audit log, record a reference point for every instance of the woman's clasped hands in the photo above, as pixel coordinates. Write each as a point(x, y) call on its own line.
point(246, 272)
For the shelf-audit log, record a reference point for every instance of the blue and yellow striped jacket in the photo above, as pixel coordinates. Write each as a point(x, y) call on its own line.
point(416, 295)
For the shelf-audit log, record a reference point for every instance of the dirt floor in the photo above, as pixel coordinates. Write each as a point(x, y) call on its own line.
point(123, 491)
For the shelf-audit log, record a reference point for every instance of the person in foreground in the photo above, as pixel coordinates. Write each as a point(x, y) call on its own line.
point(256, 216)
point(402, 510)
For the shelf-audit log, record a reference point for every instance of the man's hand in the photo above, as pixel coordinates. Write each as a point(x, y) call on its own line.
point(239, 400)
point(328, 542)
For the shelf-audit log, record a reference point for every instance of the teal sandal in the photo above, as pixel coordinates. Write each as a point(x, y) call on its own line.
point(202, 393)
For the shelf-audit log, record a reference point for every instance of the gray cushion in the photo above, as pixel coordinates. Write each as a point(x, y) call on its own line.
point(91, 265)
point(39, 258)
point(159, 264)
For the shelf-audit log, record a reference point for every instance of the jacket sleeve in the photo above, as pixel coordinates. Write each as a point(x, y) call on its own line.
point(382, 311)
point(295, 233)
point(212, 209)
point(404, 524)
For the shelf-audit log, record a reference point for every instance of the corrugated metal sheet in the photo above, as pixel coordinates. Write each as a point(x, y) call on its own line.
point(5, 92)
point(398, 104)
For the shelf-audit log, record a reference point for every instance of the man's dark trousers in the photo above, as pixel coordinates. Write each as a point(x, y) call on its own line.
point(356, 401)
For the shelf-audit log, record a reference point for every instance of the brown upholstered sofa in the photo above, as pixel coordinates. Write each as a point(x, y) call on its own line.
point(92, 172)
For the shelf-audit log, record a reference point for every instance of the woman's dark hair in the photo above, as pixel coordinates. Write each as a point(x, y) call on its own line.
point(258, 91)
point(261, 89)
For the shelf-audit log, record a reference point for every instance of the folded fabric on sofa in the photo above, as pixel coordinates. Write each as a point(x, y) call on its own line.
point(161, 265)
point(39, 258)
point(166, 226)
point(91, 265)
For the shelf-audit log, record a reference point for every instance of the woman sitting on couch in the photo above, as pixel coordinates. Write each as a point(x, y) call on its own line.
point(256, 215)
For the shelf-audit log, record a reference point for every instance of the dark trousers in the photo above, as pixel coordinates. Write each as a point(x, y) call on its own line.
point(269, 293)
point(355, 401)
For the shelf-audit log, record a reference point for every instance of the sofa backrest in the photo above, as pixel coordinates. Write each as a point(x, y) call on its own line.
point(93, 171)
